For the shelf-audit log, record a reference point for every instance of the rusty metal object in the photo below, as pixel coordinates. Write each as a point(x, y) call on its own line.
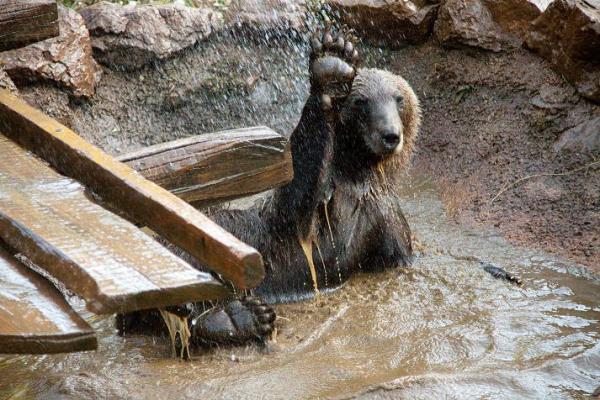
point(23, 22)
point(34, 316)
point(210, 168)
point(118, 184)
point(101, 257)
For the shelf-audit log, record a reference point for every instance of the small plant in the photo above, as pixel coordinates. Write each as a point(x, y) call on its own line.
point(220, 5)
point(77, 4)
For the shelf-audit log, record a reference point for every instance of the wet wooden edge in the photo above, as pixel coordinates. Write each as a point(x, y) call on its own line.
point(210, 168)
point(146, 202)
point(83, 339)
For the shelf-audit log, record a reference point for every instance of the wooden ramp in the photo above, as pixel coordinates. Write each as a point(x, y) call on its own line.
point(143, 201)
point(98, 255)
point(55, 222)
point(34, 316)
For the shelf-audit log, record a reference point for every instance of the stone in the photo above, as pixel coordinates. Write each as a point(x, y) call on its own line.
point(552, 99)
point(514, 17)
point(65, 60)
point(393, 23)
point(584, 137)
point(6, 83)
point(468, 23)
point(133, 36)
point(493, 25)
point(267, 15)
point(567, 34)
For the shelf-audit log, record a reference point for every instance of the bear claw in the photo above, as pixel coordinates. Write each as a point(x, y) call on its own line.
point(238, 322)
point(333, 66)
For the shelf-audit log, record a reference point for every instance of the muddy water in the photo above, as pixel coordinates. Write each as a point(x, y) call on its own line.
point(443, 329)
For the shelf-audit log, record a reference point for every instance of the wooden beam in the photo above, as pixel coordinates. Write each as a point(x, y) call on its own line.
point(23, 22)
point(101, 257)
point(212, 168)
point(34, 316)
point(116, 183)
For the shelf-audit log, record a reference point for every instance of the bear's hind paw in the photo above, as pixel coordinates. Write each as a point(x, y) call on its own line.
point(238, 322)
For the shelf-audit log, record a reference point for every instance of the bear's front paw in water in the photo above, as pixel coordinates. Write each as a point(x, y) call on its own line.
point(238, 322)
point(333, 66)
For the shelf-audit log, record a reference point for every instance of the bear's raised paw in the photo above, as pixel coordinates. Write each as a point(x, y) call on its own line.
point(333, 66)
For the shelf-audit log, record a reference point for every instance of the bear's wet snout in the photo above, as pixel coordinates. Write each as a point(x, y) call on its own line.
point(390, 140)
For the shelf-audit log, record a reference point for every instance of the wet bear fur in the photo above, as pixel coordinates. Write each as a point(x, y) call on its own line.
point(343, 196)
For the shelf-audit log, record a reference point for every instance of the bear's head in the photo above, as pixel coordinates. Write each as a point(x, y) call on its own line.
point(380, 118)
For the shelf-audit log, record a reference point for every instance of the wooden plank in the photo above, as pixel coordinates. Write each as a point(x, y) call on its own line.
point(98, 255)
point(116, 183)
point(23, 22)
point(211, 168)
point(34, 316)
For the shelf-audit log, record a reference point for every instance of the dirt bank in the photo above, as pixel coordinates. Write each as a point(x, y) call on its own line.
point(489, 119)
point(492, 119)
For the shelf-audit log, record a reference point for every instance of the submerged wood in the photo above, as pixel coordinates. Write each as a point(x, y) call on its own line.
point(23, 22)
point(118, 184)
point(215, 167)
point(34, 316)
point(98, 255)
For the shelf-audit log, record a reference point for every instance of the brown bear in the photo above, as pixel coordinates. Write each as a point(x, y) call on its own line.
point(341, 212)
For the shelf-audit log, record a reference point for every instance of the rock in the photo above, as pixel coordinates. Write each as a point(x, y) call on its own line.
point(551, 107)
point(7, 83)
point(65, 60)
point(514, 16)
point(545, 188)
point(487, 24)
point(584, 137)
point(468, 23)
point(267, 15)
point(388, 23)
point(567, 34)
point(557, 94)
point(552, 98)
point(133, 36)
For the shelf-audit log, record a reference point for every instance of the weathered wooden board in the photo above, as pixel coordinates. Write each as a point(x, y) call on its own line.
point(34, 316)
point(23, 22)
point(215, 167)
point(103, 258)
point(118, 184)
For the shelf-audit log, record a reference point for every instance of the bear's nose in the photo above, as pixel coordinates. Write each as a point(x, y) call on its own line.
point(391, 140)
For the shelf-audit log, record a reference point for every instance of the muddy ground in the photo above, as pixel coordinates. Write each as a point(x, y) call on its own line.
point(489, 119)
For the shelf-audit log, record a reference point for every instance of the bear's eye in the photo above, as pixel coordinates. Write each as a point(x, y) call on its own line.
point(360, 101)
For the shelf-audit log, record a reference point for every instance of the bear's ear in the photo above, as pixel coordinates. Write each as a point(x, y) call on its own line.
point(411, 113)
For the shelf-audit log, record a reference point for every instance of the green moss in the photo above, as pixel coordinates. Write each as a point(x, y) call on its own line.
point(220, 5)
point(77, 4)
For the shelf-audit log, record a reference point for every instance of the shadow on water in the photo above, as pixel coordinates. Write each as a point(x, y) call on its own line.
point(442, 329)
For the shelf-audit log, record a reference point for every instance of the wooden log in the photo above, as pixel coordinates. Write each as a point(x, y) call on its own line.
point(98, 255)
point(34, 316)
point(211, 168)
point(23, 22)
point(116, 183)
